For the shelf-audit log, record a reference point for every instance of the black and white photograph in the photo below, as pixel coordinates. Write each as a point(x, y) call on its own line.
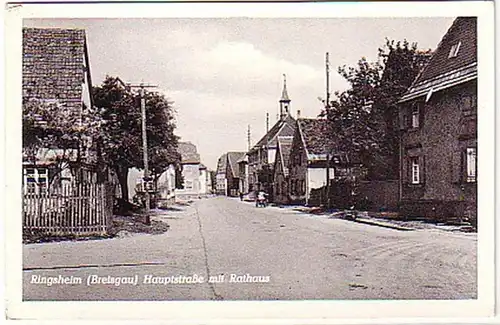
point(254, 158)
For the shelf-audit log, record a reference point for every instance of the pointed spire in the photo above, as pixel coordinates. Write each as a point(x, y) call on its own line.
point(284, 93)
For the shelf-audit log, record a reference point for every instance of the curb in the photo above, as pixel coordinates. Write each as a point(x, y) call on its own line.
point(383, 224)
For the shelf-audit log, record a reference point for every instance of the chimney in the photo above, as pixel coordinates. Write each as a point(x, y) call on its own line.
point(298, 113)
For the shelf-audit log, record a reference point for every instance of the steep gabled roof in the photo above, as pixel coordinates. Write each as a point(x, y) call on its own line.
point(222, 164)
point(284, 127)
point(54, 65)
point(445, 70)
point(285, 148)
point(316, 142)
point(232, 158)
point(189, 153)
point(314, 135)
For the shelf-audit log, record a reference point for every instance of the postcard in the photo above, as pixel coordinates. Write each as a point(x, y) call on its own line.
point(250, 162)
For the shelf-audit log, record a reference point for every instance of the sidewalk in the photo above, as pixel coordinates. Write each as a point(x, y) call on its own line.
point(371, 219)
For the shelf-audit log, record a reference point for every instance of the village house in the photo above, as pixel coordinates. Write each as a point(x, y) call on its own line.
point(66, 185)
point(281, 171)
point(56, 71)
point(438, 114)
point(233, 172)
point(220, 176)
point(261, 156)
point(194, 173)
point(313, 159)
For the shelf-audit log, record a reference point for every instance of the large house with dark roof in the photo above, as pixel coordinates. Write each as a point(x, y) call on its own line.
point(56, 71)
point(313, 159)
point(261, 156)
point(438, 114)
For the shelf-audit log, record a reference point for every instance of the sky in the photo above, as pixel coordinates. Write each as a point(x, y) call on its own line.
point(224, 74)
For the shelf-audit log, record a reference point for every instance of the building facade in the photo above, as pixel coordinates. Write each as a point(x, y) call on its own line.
point(233, 172)
point(438, 115)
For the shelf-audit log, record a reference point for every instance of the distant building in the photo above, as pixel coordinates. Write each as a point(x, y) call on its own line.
point(438, 114)
point(221, 181)
point(194, 173)
point(233, 172)
point(261, 156)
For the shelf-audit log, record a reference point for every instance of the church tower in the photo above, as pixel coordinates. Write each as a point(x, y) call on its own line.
point(284, 101)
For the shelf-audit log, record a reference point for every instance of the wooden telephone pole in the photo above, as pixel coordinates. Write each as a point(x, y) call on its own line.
point(146, 178)
point(328, 148)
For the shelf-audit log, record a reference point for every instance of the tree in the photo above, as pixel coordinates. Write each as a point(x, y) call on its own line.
point(121, 133)
point(50, 125)
point(363, 119)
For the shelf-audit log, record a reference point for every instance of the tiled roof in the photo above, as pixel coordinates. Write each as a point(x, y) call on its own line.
point(285, 146)
point(233, 158)
point(54, 64)
point(313, 132)
point(284, 127)
point(221, 164)
point(189, 154)
point(316, 142)
point(444, 71)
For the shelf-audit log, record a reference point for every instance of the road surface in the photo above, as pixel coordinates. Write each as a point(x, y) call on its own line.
point(224, 249)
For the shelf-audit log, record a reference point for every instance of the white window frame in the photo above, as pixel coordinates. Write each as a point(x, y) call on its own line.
point(471, 165)
point(454, 50)
point(415, 170)
point(36, 186)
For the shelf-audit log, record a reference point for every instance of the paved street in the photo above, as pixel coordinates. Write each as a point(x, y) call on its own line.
point(287, 255)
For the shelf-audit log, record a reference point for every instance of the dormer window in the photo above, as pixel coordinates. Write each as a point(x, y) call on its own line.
point(454, 50)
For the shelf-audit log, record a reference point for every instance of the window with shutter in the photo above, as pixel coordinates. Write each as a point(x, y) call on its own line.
point(422, 170)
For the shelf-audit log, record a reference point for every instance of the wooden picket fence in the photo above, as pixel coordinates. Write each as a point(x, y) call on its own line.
point(79, 209)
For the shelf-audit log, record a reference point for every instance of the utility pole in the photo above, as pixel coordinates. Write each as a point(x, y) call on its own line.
point(146, 178)
point(248, 138)
point(328, 147)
